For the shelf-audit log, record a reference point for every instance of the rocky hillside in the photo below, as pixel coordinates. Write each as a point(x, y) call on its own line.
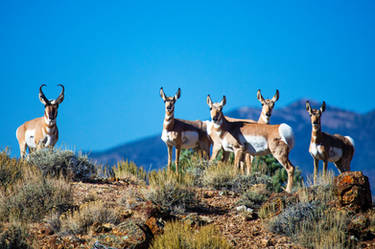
point(151, 152)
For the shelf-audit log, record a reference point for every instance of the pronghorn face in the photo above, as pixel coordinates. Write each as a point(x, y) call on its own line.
point(50, 111)
point(216, 109)
point(51, 106)
point(267, 104)
point(169, 101)
point(315, 114)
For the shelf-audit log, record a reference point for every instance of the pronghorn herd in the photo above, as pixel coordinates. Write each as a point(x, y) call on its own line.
point(245, 138)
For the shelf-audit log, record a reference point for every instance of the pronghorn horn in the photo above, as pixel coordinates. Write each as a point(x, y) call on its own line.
point(42, 97)
point(61, 96)
point(276, 96)
point(178, 94)
point(223, 101)
point(323, 107)
point(259, 96)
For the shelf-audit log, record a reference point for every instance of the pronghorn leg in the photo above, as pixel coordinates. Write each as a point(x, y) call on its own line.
point(178, 150)
point(215, 150)
point(316, 170)
point(238, 154)
point(325, 166)
point(225, 157)
point(170, 151)
point(23, 148)
point(249, 162)
point(280, 151)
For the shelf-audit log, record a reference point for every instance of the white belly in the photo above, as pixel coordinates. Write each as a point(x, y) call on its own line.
point(189, 139)
point(30, 138)
point(256, 145)
point(226, 145)
point(334, 154)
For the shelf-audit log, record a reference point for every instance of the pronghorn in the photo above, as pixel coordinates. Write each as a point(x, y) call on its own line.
point(264, 118)
point(328, 148)
point(182, 134)
point(40, 132)
point(253, 138)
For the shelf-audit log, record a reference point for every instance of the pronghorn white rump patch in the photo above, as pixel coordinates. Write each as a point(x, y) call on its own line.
point(256, 145)
point(30, 138)
point(189, 139)
point(286, 134)
point(350, 140)
point(334, 154)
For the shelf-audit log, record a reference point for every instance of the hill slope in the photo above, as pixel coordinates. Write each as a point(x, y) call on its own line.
point(151, 152)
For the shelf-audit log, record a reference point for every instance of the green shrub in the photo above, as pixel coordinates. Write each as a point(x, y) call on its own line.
point(252, 199)
point(55, 162)
point(31, 198)
point(14, 237)
point(268, 165)
point(178, 235)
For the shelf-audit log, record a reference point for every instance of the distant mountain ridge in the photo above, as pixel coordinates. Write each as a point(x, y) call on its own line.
point(151, 152)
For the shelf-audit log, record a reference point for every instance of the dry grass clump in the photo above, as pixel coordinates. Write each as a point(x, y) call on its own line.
point(170, 195)
point(311, 222)
point(162, 176)
point(178, 235)
point(219, 176)
point(10, 170)
point(14, 236)
point(33, 196)
point(79, 221)
point(126, 169)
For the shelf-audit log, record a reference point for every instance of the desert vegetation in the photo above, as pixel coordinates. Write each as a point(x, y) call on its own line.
point(60, 199)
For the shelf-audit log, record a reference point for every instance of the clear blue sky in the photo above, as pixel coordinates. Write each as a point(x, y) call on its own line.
point(113, 56)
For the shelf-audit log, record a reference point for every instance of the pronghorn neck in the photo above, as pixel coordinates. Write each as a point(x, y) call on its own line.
point(168, 121)
point(263, 119)
point(49, 123)
point(315, 133)
point(219, 127)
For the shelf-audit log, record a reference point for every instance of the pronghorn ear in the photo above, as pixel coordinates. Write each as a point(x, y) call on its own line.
point(162, 95)
point(323, 107)
point(223, 101)
point(178, 94)
point(42, 97)
point(260, 97)
point(209, 101)
point(308, 107)
point(276, 96)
